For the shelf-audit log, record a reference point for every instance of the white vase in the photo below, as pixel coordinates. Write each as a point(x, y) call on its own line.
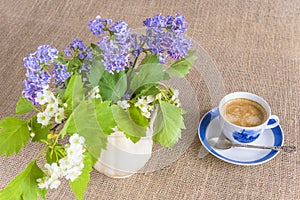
point(123, 158)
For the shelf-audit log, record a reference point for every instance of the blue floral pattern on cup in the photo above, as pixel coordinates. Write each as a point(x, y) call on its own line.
point(246, 136)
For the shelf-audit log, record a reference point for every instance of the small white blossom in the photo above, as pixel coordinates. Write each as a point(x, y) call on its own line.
point(175, 98)
point(158, 96)
point(150, 99)
point(32, 134)
point(123, 104)
point(147, 114)
point(76, 139)
point(60, 115)
point(95, 93)
point(43, 182)
point(144, 104)
point(43, 118)
point(42, 97)
point(73, 173)
point(51, 109)
point(54, 184)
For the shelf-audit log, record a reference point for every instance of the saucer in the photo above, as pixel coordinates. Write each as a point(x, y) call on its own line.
point(209, 127)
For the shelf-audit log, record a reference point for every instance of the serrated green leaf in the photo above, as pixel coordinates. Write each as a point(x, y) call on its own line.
point(146, 90)
point(40, 132)
point(150, 58)
point(24, 185)
point(86, 123)
point(69, 126)
point(168, 124)
point(74, 93)
point(95, 73)
point(132, 138)
point(104, 116)
point(148, 74)
point(136, 115)
point(80, 184)
point(126, 124)
point(182, 67)
point(23, 106)
point(14, 135)
point(113, 86)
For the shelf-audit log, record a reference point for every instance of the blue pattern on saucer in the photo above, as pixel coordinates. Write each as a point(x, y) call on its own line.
point(246, 136)
point(214, 114)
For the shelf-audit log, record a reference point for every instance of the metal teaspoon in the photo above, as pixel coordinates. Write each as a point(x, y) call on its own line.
point(224, 143)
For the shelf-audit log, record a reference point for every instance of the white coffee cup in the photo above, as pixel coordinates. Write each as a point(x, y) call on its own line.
point(245, 134)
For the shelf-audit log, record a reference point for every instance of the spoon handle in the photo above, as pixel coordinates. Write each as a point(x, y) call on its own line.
point(287, 149)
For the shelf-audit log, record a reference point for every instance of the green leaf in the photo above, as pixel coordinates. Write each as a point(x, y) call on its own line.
point(69, 126)
point(148, 74)
point(113, 86)
point(24, 186)
point(23, 106)
point(136, 116)
point(96, 48)
point(146, 90)
point(74, 93)
point(182, 67)
point(80, 184)
point(40, 132)
point(95, 74)
point(105, 116)
point(168, 124)
point(126, 124)
point(150, 58)
point(87, 126)
point(14, 135)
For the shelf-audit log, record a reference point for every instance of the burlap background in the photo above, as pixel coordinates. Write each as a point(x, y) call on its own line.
point(256, 47)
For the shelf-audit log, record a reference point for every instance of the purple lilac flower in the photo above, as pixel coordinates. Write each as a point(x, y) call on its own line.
point(60, 73)
point(37, 77)
point(164, 36)
point(46, 54)
point(115, 56)
point(179, 25)
point(98, 25)
point(116, 50)
point(77, 44)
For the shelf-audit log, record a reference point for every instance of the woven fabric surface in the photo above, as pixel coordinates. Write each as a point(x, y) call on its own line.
point(255, 46)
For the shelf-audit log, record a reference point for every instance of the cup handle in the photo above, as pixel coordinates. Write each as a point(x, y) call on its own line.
point(273, 122)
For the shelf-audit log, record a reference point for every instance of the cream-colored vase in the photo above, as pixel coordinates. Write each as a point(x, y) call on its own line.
point(123, 158)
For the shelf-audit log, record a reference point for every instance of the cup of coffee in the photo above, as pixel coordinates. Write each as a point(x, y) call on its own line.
point(244, 116)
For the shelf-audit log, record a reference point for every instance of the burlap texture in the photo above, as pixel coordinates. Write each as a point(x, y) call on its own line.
point(255, 46)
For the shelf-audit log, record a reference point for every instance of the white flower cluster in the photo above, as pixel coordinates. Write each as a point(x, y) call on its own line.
point(123, 104)
point(144, 103)
point(53, 108)
point(95, 93)
point(69, 167)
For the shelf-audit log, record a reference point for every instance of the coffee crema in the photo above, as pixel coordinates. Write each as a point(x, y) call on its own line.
point(244, 112)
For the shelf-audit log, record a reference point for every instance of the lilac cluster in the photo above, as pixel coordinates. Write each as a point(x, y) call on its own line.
point(116, 49)
point(177, 24)
point(37, 76)
point(164, 36)
point(98, 25)
point(80, 49)
point(60, 73)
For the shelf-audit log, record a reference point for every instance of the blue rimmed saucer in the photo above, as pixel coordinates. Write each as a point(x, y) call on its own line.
point(209, 127)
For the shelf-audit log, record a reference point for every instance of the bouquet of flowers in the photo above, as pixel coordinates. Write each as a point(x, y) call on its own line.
point(86, 93)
